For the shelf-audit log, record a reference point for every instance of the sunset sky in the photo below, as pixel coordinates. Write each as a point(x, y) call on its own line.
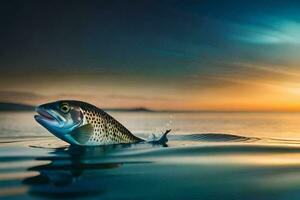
point(164, 55)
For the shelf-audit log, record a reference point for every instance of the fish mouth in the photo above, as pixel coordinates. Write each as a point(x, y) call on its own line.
point(47, 117)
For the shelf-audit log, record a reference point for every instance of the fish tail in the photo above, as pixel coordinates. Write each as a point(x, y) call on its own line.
point(163, 139)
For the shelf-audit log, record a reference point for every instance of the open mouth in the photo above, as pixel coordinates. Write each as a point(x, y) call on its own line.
point(45, 116)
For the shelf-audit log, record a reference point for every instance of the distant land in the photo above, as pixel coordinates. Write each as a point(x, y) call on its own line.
point(4, 106)
point(128, 110)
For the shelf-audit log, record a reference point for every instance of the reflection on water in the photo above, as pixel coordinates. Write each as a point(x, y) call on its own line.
point(259, 159)
point(60, 178)
point(207, 166)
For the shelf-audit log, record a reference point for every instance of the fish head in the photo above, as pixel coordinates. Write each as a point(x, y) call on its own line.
point(60, 118)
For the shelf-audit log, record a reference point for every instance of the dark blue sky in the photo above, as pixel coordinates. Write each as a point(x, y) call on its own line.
point(189, 51)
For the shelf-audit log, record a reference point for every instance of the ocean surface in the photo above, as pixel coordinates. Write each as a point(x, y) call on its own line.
point(226, 156)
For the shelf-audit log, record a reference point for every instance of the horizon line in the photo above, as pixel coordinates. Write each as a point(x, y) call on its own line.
point(29, 107)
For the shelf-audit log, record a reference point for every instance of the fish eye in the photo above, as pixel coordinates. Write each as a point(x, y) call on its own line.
point(65, 108)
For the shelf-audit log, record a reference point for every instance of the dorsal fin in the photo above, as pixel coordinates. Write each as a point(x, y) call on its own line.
point(83, 133)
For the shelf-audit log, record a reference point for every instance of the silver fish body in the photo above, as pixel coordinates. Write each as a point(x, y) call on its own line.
point(80, 123)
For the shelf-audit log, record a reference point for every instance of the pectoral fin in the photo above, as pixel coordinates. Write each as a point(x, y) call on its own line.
point(83, 133)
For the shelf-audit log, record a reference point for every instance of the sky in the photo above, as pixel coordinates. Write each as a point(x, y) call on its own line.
point(163, 55)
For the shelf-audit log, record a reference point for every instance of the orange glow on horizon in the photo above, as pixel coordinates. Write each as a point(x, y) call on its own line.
point(274, 92)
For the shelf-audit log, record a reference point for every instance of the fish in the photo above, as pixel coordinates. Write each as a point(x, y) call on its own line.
point(83, 124)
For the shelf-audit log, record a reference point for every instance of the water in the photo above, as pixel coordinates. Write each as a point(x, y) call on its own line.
point(209, 156)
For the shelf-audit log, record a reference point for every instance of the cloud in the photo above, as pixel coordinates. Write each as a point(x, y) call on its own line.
point(267, 30)
point(237, 75)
